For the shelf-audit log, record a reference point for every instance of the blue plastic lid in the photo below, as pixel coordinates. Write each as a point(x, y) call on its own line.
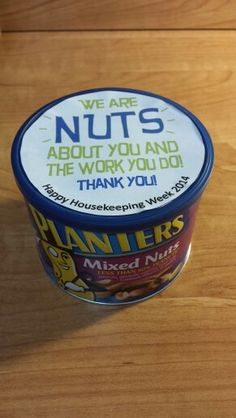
point(112, 159)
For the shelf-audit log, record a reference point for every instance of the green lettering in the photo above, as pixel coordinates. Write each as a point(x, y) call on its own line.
point(52, 153)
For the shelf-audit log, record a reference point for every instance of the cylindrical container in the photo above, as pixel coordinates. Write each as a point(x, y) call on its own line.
point(112, 178)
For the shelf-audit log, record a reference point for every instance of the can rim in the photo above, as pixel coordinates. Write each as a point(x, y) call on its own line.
point(104, 222)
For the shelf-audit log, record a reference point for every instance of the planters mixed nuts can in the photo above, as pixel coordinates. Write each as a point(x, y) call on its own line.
point(112, 178)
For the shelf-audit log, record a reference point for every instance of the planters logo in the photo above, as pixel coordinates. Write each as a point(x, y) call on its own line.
point(88, 242)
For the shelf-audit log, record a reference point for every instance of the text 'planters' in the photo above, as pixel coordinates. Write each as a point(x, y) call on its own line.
point(112, 179)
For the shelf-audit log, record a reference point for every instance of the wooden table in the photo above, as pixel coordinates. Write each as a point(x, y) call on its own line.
point(173, 356)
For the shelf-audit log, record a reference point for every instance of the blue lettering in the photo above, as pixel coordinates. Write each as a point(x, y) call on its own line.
point(123, 116)
point(63, 130)
point(91, 133)
point(62, 126)
point(158, 121)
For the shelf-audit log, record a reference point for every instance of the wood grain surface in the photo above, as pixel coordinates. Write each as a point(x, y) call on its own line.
point(116, 14)
point(173, 356)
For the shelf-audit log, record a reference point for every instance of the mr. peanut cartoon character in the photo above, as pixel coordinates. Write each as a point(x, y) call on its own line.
point(65, 271)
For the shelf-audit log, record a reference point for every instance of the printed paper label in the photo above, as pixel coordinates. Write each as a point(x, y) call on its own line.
point(112, 153)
